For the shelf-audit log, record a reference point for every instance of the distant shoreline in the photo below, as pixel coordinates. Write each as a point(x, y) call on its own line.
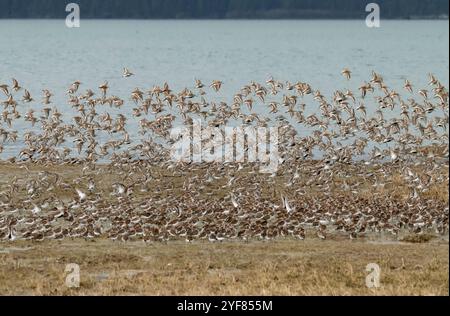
point(446, 18)
point(227, 9)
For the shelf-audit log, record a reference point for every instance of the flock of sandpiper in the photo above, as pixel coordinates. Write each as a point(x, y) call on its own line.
point(357, 142)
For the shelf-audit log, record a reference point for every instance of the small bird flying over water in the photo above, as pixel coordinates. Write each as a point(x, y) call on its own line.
point(346, 73)
point(16, 86)
point(27, 96)
point(127, 73)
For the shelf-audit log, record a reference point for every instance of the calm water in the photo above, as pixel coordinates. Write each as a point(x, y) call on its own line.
point(45, 54)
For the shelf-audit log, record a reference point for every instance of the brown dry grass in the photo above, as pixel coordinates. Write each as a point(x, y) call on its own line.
point(284, 267)
point(418, 239)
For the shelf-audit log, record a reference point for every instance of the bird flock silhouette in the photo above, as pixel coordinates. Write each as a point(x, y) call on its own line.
point(89, 175)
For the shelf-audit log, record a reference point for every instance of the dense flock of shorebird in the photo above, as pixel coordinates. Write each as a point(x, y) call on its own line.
point(336, 179)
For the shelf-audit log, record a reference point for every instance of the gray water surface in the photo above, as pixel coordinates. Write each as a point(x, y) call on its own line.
point(45, 54)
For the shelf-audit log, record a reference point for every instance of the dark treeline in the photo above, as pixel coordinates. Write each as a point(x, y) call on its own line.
point(221, 9)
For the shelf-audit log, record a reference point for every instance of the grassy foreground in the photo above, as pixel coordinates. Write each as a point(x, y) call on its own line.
point(285, 267)
point(417, 266)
